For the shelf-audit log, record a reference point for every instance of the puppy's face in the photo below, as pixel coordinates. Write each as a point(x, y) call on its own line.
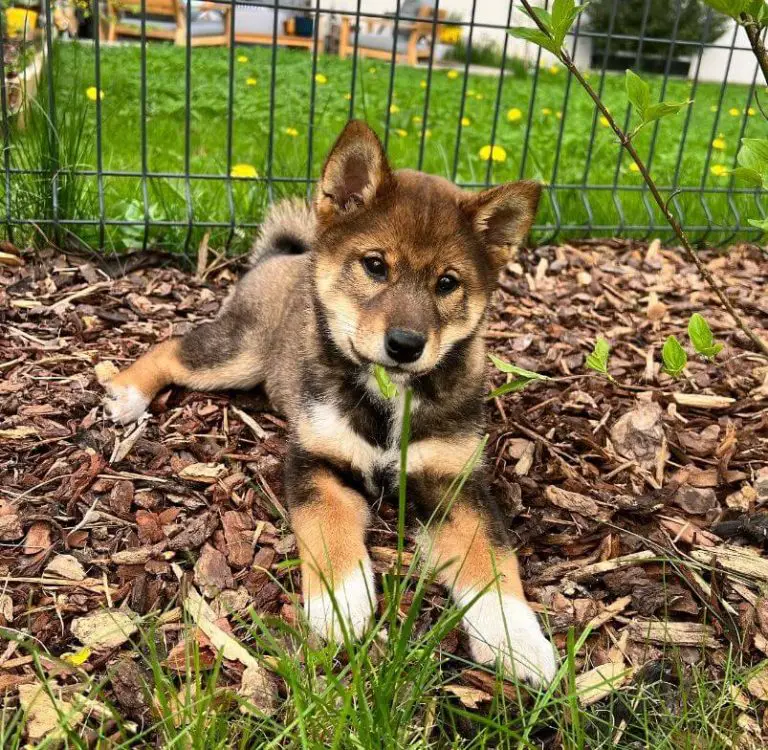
point(405, 262)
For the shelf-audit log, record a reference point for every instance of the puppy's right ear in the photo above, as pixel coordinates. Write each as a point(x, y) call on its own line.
point(354, 171)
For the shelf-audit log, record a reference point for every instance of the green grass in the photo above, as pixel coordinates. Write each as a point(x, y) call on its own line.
point(208, 136)
point(387, 691)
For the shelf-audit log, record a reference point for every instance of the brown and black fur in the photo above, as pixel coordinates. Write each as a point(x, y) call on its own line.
point(307, 322)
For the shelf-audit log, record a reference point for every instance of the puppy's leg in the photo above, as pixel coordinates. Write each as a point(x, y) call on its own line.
point(216, 355)
point(330, 520)
point(482, 574)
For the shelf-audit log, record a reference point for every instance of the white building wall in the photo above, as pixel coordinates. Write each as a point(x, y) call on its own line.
point(715, 61)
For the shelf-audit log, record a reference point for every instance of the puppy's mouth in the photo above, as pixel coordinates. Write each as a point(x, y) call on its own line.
point(400, 373)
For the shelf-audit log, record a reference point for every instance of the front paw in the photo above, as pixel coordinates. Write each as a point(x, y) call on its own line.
point(124, 403)
point(503, 627)
point(354, 597)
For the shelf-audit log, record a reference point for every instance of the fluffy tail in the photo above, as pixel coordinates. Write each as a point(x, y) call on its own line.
point(288, 229)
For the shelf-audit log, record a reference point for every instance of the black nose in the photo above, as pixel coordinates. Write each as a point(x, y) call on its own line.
point(403, 345)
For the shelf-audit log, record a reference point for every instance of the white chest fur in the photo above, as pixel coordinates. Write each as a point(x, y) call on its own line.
point(328, 431)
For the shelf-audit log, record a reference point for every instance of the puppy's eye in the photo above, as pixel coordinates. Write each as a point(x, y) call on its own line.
point(446, 284)
point(375, 267)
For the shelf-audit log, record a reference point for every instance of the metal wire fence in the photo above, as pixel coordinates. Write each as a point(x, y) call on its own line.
point(143, 142)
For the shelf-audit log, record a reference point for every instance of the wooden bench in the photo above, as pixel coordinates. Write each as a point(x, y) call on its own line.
point(414, 41)
point(167, 19)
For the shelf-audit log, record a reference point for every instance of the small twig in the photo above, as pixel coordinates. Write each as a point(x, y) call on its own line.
point(759, 105)
point(626, 142)
point(672, 195)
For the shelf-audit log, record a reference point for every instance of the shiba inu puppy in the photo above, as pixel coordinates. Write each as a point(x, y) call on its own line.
point(393, 268)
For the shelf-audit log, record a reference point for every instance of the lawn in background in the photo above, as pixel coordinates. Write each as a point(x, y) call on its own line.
point(298, 152)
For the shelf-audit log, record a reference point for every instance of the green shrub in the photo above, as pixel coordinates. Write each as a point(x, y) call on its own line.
point(488, 54)
point(693, 24)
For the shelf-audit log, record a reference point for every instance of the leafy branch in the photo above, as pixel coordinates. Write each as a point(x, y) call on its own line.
point(753, 154)
point(550, 34)
point(753, 16)
point(673, 356)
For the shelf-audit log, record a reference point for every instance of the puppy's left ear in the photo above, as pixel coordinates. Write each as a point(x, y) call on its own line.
point(503, 215)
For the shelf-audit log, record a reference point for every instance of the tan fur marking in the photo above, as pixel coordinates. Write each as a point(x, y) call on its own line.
point(330, 533)
point(466, 559)
point(162, 366)
point(442, 456)
point(154, 370)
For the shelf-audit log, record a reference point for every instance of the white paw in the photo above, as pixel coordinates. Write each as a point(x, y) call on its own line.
point(124, 403)
point(501, 626)
point(355, 598)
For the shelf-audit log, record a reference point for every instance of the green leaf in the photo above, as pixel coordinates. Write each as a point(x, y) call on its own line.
point(543, 16)
point(564, 13)
point(664, 109)
point(753, 154)
point(561, 10)
point(513, 385)
point(500, 364)
point(598, 360)
point(386, 386)
point(521, 380)
point(674, 357)
point(758, 9)
point(536, 36)
point(729, 7)
point(750, 176)
point(638, 93)
point(701, 337)
point(759, 223)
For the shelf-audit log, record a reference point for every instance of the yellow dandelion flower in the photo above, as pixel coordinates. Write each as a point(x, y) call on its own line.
point(479, 97)
point(546, 111)
point(453, 74)
point(416, 120)
point(559, 115)
point(428, 133)
point(712, 108)
point(719, 170)
point(604, 121)
point(93, 93)
point(402, 133)
point(495, 153)
point(514, 115)
point(751, 111)
point(633, 167)
point(466, 122)
point(250, 81)
point(291, 131)
point(348, 96)
point(719, 143)
point(320, 78)
point(372, 69)
point(733, 112)
point(423, 83)
point(242, 59)
point(394, 109)
point(554, 69)
point(240, 171)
